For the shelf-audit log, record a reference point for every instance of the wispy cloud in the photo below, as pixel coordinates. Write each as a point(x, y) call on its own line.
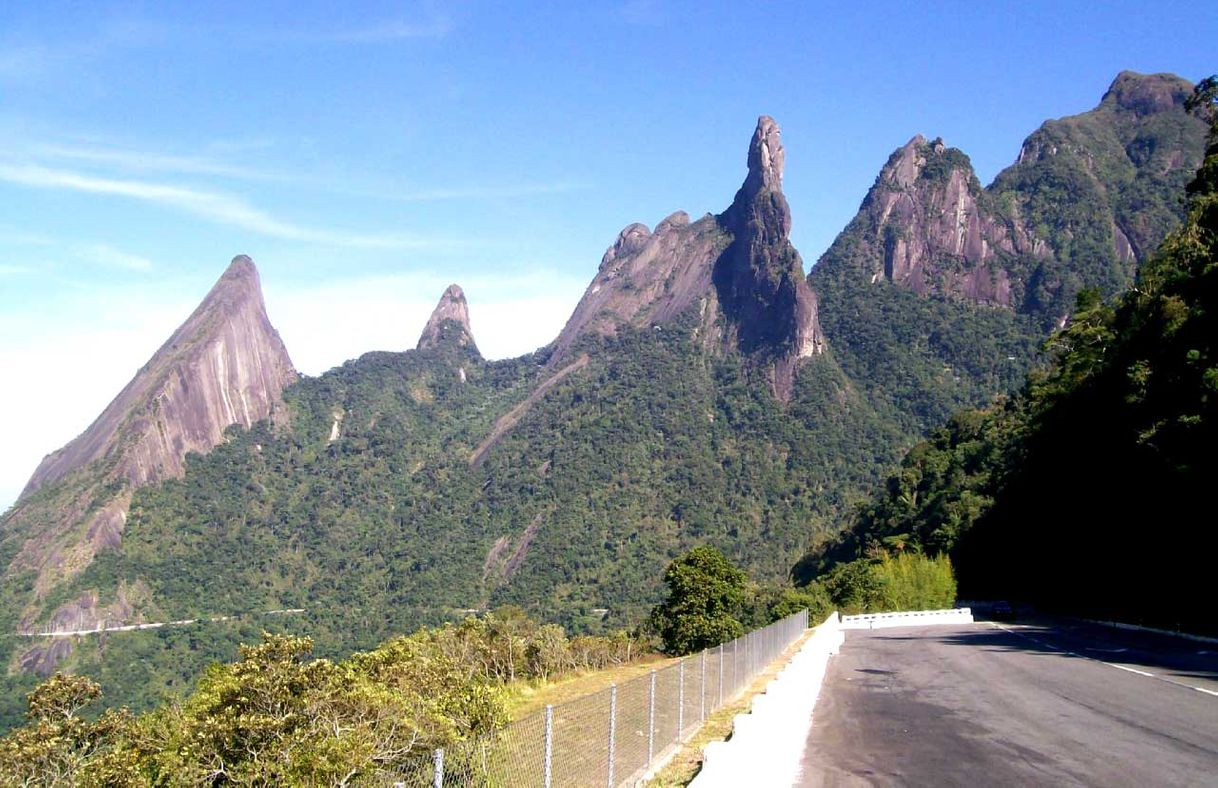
point(15, 270)
point(106, 255)
point(217, 207)
point(15, 237)
point(642, 13)
point(390, 30)
point(147, 161)
point(24, 60)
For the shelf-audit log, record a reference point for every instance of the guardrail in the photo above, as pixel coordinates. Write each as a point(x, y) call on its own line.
point(913, 618)
point(767, 743)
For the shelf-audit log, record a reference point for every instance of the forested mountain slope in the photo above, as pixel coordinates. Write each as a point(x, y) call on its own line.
point(1088, 492)
point(691, 400)
point(939, 292)
point(701, 392)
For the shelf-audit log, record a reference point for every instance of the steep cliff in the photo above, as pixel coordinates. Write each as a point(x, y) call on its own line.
point(225, 365)
point(1087, 197)
point(760, 277)
point(739, 268)
point(938, 292)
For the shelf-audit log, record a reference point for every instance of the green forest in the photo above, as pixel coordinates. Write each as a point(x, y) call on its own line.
point(388, 495)
point(281, 715)
point(1064, 495)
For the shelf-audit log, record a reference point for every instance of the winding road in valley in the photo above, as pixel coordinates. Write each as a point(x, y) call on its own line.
point(1045, 703)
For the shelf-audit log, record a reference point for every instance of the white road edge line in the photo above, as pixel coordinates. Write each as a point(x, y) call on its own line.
point(1164, 679)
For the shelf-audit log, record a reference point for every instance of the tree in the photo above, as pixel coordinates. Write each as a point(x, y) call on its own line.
point(58, 747)
point(705, 594)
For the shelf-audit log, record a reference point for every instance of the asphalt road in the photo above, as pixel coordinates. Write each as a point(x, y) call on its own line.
point(1053, 703)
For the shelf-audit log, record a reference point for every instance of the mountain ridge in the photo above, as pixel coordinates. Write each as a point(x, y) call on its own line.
point(702, 391)
point(224, 365)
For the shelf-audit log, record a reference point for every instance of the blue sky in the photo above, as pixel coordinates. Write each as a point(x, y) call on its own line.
point(367, 154)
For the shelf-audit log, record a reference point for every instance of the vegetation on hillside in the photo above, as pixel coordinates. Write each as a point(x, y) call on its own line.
point(362, 505)
point(1083, 183)
point(1062, 495)
point(651, 449)
point(279, 716)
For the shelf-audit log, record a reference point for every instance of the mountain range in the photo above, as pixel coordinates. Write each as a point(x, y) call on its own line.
point(704, 390)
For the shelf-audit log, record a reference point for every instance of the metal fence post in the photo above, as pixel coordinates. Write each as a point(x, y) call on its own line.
point(651, 719)
point(549, 752)
point(612, 727)
point(437, 777)
point(702, 690)
point(680, 699)
point(720, 675)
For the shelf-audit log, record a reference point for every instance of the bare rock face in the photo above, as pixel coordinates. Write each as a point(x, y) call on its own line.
point(225, 365)
point(1147, 94)
point(935, 234)
point(646, 278)
point(1088, 197)
point(739, 268)
point(449, 322)
point(760, 277)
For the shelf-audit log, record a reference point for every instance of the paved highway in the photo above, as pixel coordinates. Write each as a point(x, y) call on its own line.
point(1053, 703)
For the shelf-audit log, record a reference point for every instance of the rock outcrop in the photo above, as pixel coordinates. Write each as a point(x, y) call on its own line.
point(760, 278)
point(449, 322)
point(738, 269)
point(1087, 198)
point(933, 232)
point(225, 365)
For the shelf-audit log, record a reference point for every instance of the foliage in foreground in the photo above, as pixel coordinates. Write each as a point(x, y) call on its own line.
point(276, 716)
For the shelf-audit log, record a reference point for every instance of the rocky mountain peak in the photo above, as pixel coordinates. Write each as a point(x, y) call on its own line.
point(904, 166)
point(738, 268)
point(760, 278)
point(1146, 94)
point(766, 157)
point(449, 321)
point(631, 239)
point(926, 207)
point(225, 365)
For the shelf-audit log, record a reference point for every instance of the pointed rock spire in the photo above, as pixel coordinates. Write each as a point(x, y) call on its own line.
point(225, 365)
point(449, 322)
point(760, 277)
point(766, 157)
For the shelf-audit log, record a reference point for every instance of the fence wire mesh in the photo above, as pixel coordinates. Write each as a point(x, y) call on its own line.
point(612, 737)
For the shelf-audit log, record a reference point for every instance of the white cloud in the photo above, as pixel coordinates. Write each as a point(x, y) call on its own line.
point(483, 192)
point(74, 355)
point(146, 161)
point(388, 30)
point(218, 207)
point(328, 323)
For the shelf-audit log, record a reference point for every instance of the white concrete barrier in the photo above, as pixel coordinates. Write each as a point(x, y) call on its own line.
point(912, 618)
point(766, 745)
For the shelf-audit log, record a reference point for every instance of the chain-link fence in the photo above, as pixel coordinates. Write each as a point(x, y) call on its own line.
point(612, 737)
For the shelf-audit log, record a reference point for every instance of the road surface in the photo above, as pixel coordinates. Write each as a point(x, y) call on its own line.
point(1055, 703)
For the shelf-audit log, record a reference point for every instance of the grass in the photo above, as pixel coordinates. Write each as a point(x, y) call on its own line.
point(687, 762)
point(527, 698)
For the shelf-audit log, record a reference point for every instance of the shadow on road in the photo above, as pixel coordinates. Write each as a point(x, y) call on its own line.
point(1145, 651)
